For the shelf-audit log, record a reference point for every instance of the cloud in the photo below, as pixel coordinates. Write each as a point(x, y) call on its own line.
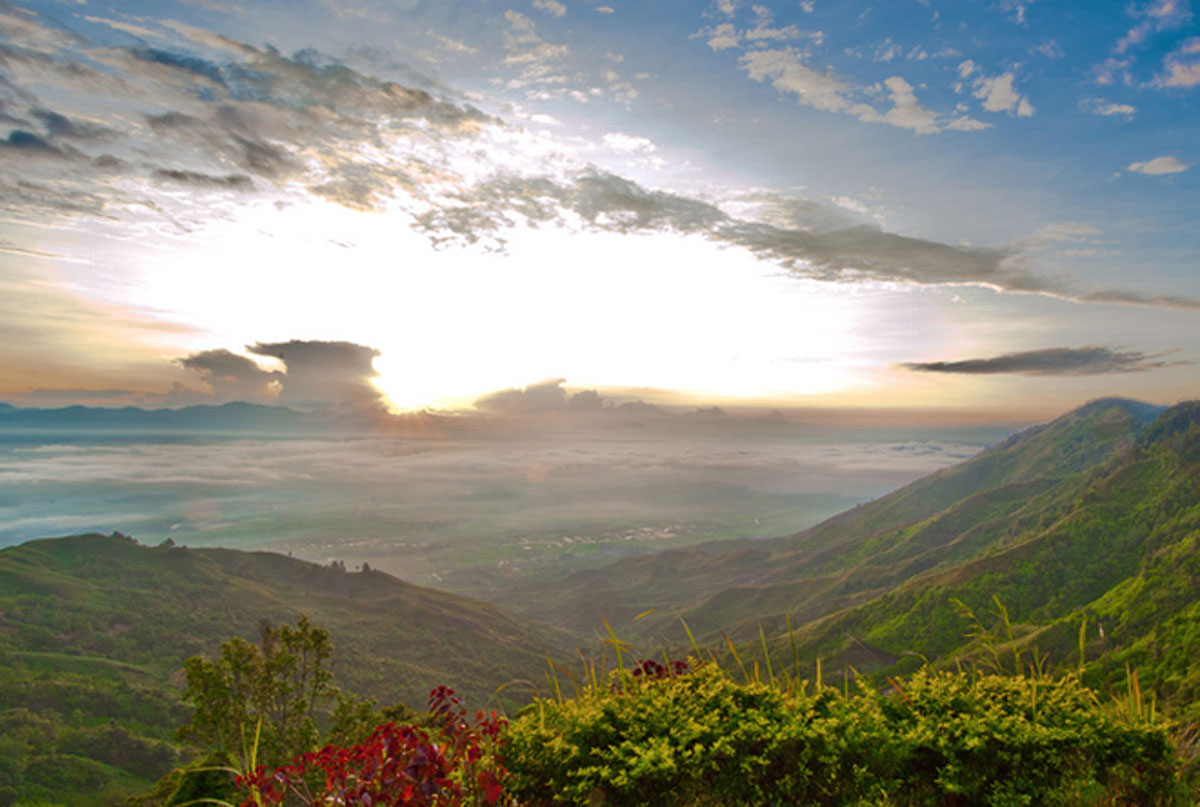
point(237, 182)
point(1155, 16)
point(906, 111)
point(787, 72)
point(812, 240)
point(30, 144)
point(1017, 8)
point(321, 374)
point(188, 109)
point(724, 37)
point(125, 27)
point(231, 377)
point(999, 95)
point(525, 47)
point(1158, 166)
point(546, 396)
point(551, 7)
point(1059, 361)
point(57, 125)
point(1101, 106)
point(1181, 67)
point(1111, 70)
point(629, 144)
point(252, 119)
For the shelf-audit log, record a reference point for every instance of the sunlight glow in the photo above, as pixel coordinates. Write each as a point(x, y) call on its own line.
point(597, 309)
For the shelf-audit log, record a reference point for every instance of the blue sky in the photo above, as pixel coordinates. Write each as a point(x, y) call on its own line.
point(988, 206)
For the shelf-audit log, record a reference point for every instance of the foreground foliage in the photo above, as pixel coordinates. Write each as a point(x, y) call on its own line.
point(451, 762)
point(688, 736)
point(936, 739)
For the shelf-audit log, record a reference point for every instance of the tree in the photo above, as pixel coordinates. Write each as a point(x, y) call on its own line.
point(259, 704)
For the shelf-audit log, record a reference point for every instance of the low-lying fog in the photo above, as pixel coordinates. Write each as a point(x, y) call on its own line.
point(426, 509)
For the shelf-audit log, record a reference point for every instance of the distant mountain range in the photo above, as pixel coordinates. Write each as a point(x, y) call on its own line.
point(235, 416)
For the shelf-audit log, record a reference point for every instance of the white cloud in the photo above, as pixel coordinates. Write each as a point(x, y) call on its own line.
point(999, 95)
point(551, 7)
point(1159, 165)
point(762, 32)
point(449, 44)
point(1181, 68)
point(965, 123)
point(723, 37)
point(906, 111)
point(132, 30)
point(887, 50)
point(786, 71)
point(1157, 15)
point(1050, 49)
point(629, 144)
point(1110, 70)
point(727, 7)
point(807, 6)
point(536, 55)
point(1109, 109)
point(605, 10)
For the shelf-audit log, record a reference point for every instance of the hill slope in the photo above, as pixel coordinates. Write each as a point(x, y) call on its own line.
point(94, 629)
point(1122, 552)
point(934, 523)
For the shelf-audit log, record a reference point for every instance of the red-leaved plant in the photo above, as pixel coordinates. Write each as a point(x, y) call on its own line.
point(398, 766)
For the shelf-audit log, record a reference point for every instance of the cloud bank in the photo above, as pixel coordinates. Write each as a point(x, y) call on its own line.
point(315, 375)
point(1060, 361)
point(232, 124)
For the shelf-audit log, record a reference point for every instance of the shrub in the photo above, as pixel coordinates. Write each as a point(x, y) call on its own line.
point(448, 764)
point(940, 739)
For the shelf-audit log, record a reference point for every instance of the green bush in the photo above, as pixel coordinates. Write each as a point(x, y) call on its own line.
point(936, 739)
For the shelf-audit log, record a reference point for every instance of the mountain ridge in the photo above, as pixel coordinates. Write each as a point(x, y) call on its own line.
point(680, 581)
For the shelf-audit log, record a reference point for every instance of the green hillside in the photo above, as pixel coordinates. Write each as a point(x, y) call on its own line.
point(94, 630)
point(1092, 517)
point(1122, 555)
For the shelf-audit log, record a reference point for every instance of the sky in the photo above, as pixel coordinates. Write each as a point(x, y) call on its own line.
point(981, 207)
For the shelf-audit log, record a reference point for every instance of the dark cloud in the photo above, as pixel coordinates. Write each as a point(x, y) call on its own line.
point(28, 143)
point(232, 377)
point(178, 61)
point(209, 103)
point(543, 398)
point(34, 200)
point(59, 125)
point(850, 251)
point(547, 396)
point(237, 182)
point(587, 400)
point(324, 373)
point(808, 238)
point(231, 136)
point(1087, 360)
